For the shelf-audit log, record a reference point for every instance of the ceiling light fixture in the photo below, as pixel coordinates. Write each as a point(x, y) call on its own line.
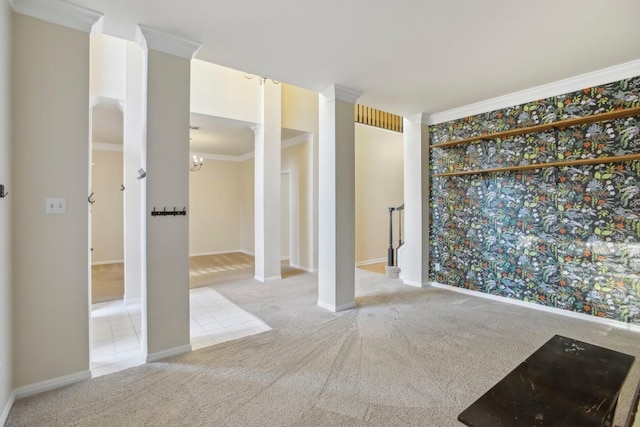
point(196, 164)
point(262, 79)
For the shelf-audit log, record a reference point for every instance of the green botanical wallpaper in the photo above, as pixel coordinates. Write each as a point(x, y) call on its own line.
point(566, 237)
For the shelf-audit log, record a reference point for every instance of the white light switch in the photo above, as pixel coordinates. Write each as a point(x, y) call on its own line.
point(56, 206)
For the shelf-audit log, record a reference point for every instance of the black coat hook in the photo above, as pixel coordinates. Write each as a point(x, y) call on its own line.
point(121, 187)
point(90, 198)
point(2, 193)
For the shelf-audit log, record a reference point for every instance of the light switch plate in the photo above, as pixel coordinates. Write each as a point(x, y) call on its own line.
point(56, 206)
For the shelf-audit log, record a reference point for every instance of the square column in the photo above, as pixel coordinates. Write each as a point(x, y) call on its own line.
point(336, 198)
point(415, 254)
point(267, 184)
point(165, 309)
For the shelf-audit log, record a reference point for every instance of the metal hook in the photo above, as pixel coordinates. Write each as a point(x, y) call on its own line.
point(121, 187)
point(2, 193)
point(90, 198)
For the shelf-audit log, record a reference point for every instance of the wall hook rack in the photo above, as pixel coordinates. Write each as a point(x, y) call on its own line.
point(165, 212)
point(2, 193)
point(90, 198)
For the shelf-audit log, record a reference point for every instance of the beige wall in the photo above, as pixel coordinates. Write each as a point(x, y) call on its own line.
point(247, 220)
point(6, 321)
point(107, 232)
point(167, 294)
point(215, 193)
point(50, 82)
point(379, 185)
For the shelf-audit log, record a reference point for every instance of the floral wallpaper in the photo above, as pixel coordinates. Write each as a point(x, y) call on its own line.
point(565, 237)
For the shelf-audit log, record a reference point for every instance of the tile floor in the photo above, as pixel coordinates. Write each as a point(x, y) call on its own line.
point(115, 329)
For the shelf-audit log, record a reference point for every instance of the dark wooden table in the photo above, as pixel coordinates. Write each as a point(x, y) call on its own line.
point(564, 383)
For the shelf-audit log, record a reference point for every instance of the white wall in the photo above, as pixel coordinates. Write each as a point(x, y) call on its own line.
point(379, 185)
point(300, 112)
point(296, 160)
point(6, 321)
point(107, 231)
point(50, 104)
point(108, 66)
point(215, 194)
point(224, 92)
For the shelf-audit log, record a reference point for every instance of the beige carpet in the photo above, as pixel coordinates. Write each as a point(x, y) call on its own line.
point(404, 357)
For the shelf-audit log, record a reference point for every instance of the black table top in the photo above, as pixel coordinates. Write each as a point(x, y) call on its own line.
point(564, 383)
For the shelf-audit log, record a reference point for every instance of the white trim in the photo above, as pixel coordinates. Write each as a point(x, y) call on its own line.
point(246, 252)
point(595, 78)
point(218, 253)
point(340, 93)
point(300, 267)
point(295, 140)
point(413, 283)
point(284, 258)
point(7, 408)
point(554, 310)
point(370, 261)
point(132, 301)
point(416, 118)
point(115, 261)
point(267, 279)
point(105, 146)
point(58, 12)
point(334, 308)
point(52, 384)
point(289, 142)
point(176, 351)
point(168, 43)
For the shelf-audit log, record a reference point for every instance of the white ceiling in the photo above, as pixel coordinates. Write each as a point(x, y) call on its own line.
point(106, 122)
point(406, 57)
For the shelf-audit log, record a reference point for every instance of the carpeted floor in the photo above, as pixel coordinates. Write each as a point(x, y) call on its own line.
point(404, 357)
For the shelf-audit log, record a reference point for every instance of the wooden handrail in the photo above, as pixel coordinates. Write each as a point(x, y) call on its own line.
point(611, 115)
point(600, 160)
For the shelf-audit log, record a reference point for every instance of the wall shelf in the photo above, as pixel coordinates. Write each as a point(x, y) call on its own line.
point(597, 160)
point(611, 115)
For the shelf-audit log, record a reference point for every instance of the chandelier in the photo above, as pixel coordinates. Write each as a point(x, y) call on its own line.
point(262, 79)
point(196, 163)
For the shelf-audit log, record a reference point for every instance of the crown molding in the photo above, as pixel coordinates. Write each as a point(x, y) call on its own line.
point(290, 142)
point(418, 118)
point(167, 43)
point(341, 93)
point(58, 12)
point(572, 84)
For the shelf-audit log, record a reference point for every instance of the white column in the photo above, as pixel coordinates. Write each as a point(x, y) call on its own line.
point(165, 310)
point(134, 143)
point(267, 184)
point(415, 254)
point(336, 198)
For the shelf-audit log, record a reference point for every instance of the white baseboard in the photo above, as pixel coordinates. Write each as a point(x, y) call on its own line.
point(160, 355)
point(132, 301)
point(284, 258)
point(267, 279)
point(554, 310)
point(300, 267)
point(242, 251)
point(219, 252)
point(52, 384)
point(370, 261)
point(7, 408)
point(414, 283)
point(334, 308)
point(115, 261)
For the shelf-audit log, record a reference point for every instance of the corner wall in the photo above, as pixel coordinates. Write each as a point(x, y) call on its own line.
point(50, 105)
point(6, 283)
point(379, 185)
